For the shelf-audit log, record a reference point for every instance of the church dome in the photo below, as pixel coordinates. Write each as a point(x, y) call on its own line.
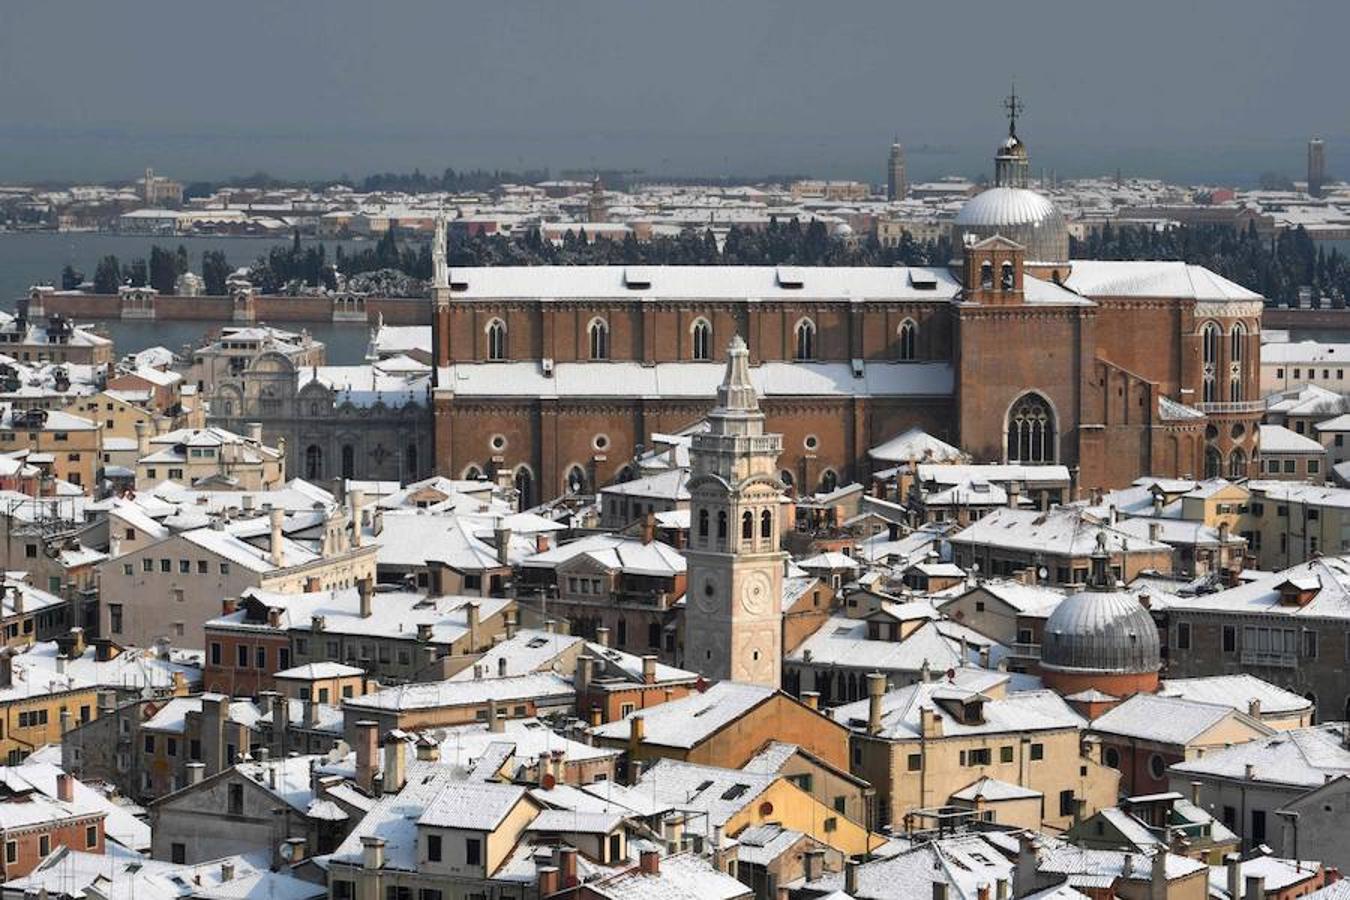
point(1018, 214)
point(1101, 631)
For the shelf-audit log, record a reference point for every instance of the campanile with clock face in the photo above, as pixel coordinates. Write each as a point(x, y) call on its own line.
point(733, 612)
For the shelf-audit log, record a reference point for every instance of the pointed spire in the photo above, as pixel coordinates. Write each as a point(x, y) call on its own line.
point(737, 393)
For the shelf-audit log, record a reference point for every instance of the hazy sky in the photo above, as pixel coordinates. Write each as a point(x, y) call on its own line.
point(1218, 90)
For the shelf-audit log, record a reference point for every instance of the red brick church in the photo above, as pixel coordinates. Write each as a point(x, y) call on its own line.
point(559, 376)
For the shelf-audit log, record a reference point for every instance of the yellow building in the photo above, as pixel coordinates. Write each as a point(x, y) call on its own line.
point(923, 745)
point(65, 446)
point(34, 710)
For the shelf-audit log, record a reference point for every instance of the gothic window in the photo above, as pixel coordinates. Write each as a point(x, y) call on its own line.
point(806, 339)
point(473, 473)
point(908, 333)
point(786, 477)
point(828, 481)
point(1236, 338)
point(1031, 431)
point(766, 525)
point(496, 339)
point(1213, 463)
point(599, 336)
point(524, 488)
point(987, 275)
point(1209, 346)
point(313, 462)
point(702, 335)
point(348, 461)
point(1210, 389)
point(1237, 464)
point(1006, 277)
point(747, 526)
point(703, 523)
point(576, 480)
point(1234, 387)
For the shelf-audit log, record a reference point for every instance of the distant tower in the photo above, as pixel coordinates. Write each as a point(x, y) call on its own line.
point(1010, 161)
point(595, 206)
point(897, 184)
point(733, 624)
point(150, 186)
point(440, 297)
point(1317, 166)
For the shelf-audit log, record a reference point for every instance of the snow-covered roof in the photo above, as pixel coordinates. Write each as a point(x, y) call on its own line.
point(690, 720)
point(1278, 439)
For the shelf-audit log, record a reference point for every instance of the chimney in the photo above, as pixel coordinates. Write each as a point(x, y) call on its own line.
point(366, 590)
point(1254, 707)
point(509, 623)
point(634, 771)
point(1232, 862)
point(1001, 889)
point(1155, 531)
point(876, 690)
point(65, 787)
point(6, 667)
point(582, 679)
point(1256, 887)
point(597, 716)
point(567, 866)
point(311, 713)
point(227, 871)
point(214, 707)
point(940, 890)
point(851, 876)
point(195, 771)
point(602, 636)
point(356, 499)
point(650, 862)
point(276, 557)
point(637, 731)
point(372, 852)
point(1158, 876)
point(1195, 792)
point(255, 432)
point(811, 699)
point(501, 540)
point(367, 742)
point(1250, 771)
point(494, 714)
point(649, 527)
point(815, 864)
point(471, 611)
point(649, 669)
point(982, 891)
point(395, 766)
point(1024, 872)
point(548, 880)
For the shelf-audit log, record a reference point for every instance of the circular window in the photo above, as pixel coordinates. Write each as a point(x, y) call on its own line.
point(1211, 432)
point(1238, 431)
point(1112, 757)
point(498, 442)
point(766, 808)
point(600, 441)
point(708, 588)
point(811, 442)
point(1156, 766)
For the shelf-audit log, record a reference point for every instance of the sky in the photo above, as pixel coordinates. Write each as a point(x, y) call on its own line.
point(1210, 92)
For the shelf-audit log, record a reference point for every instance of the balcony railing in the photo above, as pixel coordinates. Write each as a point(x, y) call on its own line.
point(1269, 658)
point(1233, 406)
point(1025, 651)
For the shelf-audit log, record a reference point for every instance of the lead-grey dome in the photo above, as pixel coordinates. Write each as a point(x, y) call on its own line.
point(1018, 214)
point(1101, 631)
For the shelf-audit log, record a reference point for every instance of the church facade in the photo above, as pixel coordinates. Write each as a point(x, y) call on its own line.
point(557, 377)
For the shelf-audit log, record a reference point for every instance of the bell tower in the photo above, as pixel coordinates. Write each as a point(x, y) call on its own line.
point(440, 298)
point(733, 618)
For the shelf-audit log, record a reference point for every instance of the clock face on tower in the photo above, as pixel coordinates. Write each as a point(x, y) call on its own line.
point(755, 593)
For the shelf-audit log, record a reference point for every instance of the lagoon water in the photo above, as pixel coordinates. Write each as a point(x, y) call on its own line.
point(28, 258)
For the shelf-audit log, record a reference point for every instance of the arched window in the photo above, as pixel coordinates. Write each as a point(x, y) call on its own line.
point(702, 523)
point(496, 339)
point(348, 461)
point(828, 481)
point(524, 488)
point(576, 480)
point(1209, 340)
point(1213, 463)
point(987, 275)
point(229, 407)
point(766, 525)
point(1210, 388)
point(786, 477)
point(1006, 277)
point(1031, 431)
point(908, 333)
point(806, 339)
point(473, 473)
point(747, 526)
point(313, 462)
point(599, 336)
point(410, 460)
point(702, 339)
point(721, 525)
point(1237, 337)
point(1237, 464)
point(1234, 387)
